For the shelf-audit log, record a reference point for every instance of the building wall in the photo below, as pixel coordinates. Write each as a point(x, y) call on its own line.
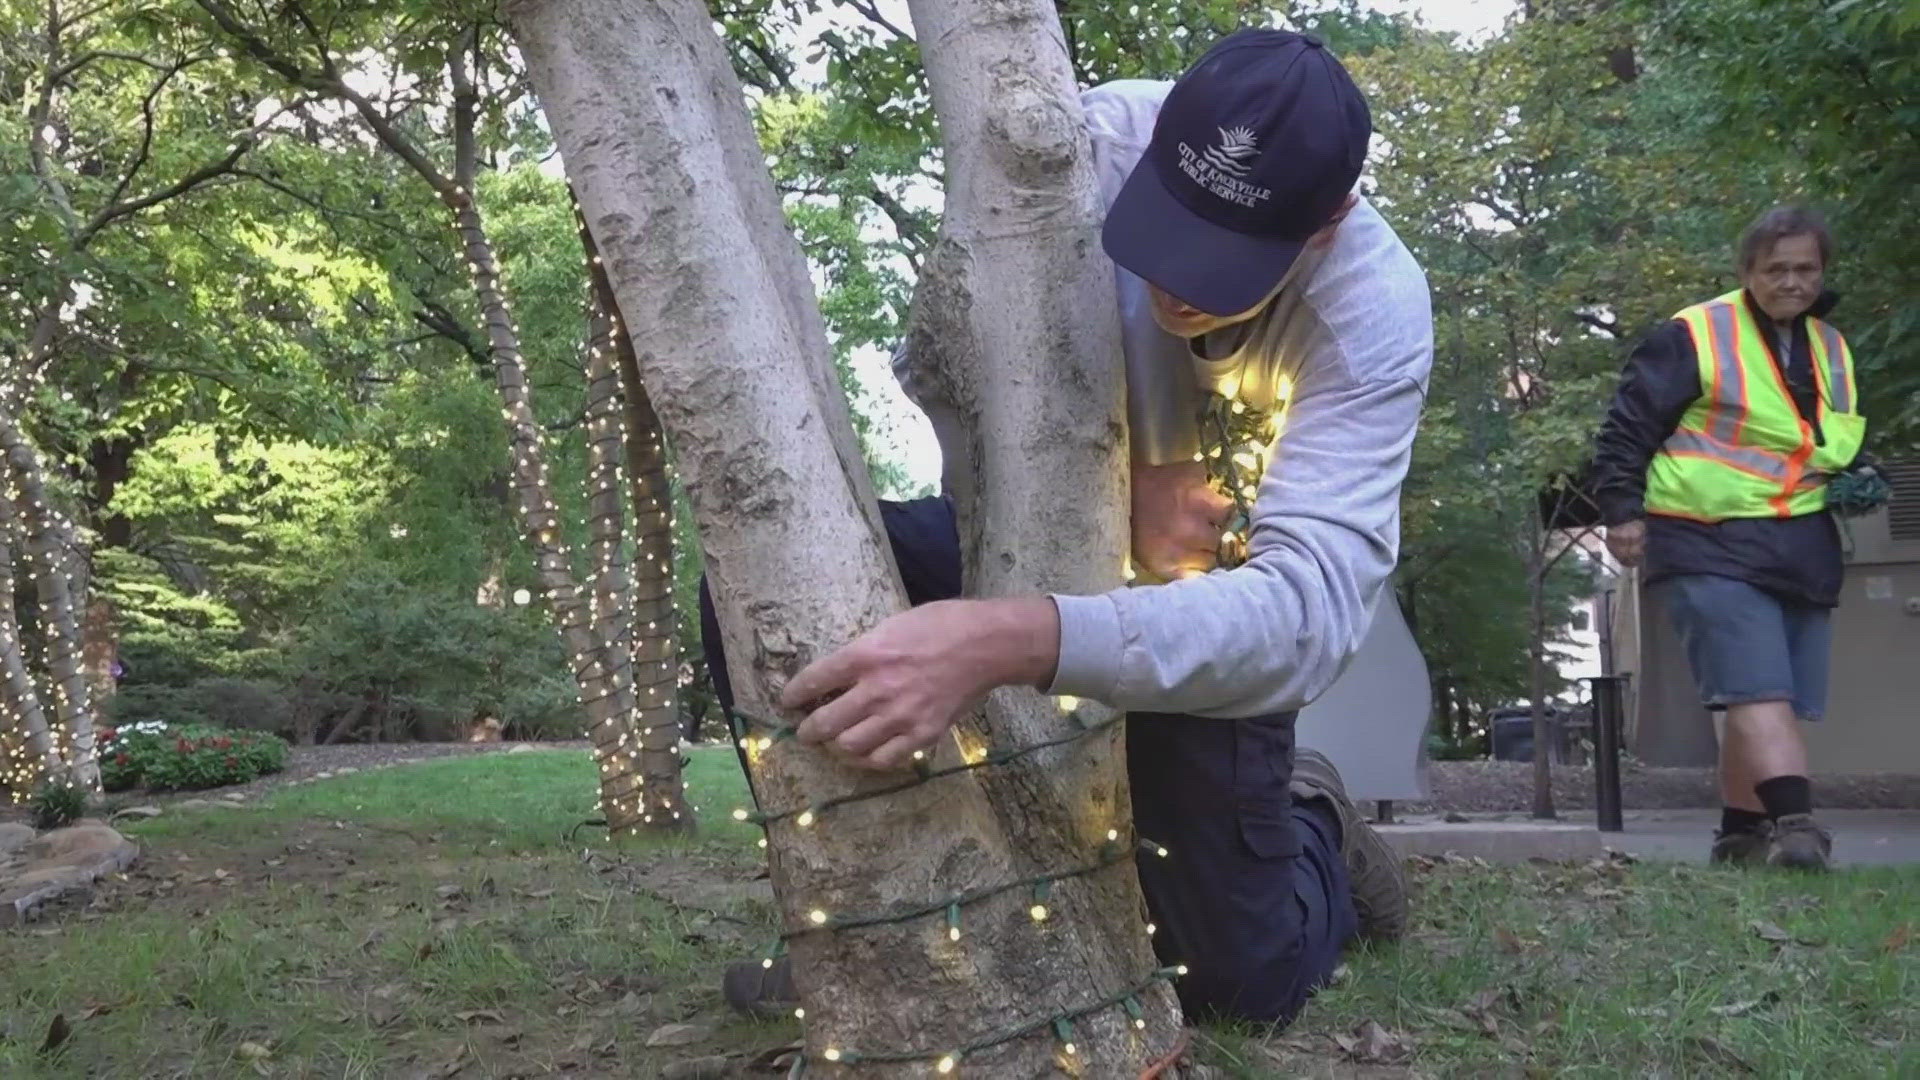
point(1873, 706)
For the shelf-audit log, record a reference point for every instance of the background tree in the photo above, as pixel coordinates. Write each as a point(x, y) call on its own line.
point(641, 101)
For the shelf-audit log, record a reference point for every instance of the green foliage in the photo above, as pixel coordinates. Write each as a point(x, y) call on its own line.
point(185, 757)
point(249, 704)
point(57, 804)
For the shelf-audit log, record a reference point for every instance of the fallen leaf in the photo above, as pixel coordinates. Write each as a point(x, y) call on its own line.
point(449, 892)
point(57, 1034)
point(1718, 1052)
point(1742, 1008)
point(678, 1035)
point(1887, 1044)
point(1453, 1018)
point(1769, 932)
point(1656, 1011)
point(705, 1068)
point(1901, 936)
point(1371, 1044)
point(480, 1016)
point(453, 1065)
point(777, 1058)
point(253, 1051)
point(1507, 940)
point(538, 894)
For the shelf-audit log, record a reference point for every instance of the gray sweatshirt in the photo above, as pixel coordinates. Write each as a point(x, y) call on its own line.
point(1342, 354)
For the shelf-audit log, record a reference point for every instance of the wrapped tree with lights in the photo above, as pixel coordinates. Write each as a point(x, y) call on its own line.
point(592, 619)
point(50, 739)
point(980, 915)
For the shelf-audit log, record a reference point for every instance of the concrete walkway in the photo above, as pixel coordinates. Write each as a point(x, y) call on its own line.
point(1860, 837)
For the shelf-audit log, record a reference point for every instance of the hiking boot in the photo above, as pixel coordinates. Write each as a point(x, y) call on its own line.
point(1379, 883)
point(1799, 843)
point(759, 991)
point(1742, 847)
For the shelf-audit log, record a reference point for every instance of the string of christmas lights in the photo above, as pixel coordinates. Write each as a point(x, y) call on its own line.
point(1060, 1023)
point(1236, 445)
point(1115, 850)
point(974, 757)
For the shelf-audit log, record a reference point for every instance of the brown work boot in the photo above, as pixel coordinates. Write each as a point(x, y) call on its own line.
point(1799, 843)
point(1742, 847)
point(1379, 883)
point(760, 991)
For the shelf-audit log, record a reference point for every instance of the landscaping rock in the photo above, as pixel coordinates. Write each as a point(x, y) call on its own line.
point(522, 748)
point(61, 862)
point(137, 813)
point(13, 838)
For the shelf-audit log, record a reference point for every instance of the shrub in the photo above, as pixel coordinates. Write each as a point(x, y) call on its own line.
point(59, 804)
point(247, 704)
point(186, 757)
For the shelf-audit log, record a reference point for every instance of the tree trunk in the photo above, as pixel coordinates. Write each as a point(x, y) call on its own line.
point(622, 798)
point(27, 755)
point(715, 292)
point(1537, 677)
point(1026, 352)
point(646, 636)
point(72, 728)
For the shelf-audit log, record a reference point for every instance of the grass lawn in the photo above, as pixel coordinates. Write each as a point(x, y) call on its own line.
point(432, 920)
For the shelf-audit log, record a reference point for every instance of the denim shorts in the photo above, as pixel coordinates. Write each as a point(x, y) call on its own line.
point(1747, 645)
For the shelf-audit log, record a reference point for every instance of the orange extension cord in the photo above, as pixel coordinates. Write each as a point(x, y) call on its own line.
point(1159, 1068)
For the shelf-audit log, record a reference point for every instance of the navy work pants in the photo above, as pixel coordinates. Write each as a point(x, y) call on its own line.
point(1253, 896)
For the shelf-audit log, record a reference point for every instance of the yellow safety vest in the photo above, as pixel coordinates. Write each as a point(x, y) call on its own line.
point(1742, 449)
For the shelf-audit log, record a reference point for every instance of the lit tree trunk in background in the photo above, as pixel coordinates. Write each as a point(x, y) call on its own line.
point(605, 696)
point(612, 598)
point(648, 635)
point(27, 757)
point(45, 551)
point(1042, 497)
point(715, 292)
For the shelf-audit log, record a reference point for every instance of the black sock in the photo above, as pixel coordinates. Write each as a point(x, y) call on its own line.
point(1785, 795)
point(1735, 820)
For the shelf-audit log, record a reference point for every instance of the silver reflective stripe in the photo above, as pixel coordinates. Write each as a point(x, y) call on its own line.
point(1839, 397)
point(1758, 462)
point(1731, 404)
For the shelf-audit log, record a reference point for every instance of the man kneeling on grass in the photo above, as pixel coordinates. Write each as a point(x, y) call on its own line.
point(1260, 296)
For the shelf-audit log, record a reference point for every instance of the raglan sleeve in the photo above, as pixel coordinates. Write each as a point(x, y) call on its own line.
point(1275, 632)
point(1162, 395)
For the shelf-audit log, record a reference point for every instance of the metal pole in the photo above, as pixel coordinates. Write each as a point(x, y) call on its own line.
point(1606, 751)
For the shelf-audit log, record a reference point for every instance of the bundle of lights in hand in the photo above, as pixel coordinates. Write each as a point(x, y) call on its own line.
point(758, 735)
point(1235, 445)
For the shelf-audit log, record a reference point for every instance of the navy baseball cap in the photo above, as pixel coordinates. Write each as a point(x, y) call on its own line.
point(1255, 149)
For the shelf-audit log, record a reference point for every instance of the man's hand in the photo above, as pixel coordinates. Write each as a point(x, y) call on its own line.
point(1177, 519)
point(903, 684)
point(1628, 542)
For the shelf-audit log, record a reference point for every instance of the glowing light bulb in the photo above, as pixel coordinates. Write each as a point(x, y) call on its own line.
point(1038, 912)
point(805, 819)
point(817, 917)
point(946, 1065)
point(831, 1053)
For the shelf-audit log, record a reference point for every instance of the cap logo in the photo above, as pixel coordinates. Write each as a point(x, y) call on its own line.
point(1236, 151)
point(1220, 168)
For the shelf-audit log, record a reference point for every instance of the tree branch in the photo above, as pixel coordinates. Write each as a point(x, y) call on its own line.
point(328, 81)
point(872, 12)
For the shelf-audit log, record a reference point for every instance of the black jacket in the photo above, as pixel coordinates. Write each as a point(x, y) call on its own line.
point(1797, 559)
